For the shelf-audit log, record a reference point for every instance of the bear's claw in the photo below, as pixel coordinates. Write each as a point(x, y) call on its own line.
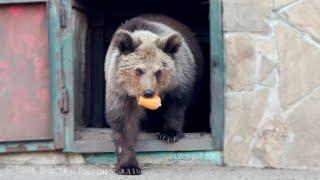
point(170, 136)
point(128, 170)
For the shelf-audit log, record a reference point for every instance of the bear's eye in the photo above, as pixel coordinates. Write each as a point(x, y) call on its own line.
point(139, 72)
point(157, 74)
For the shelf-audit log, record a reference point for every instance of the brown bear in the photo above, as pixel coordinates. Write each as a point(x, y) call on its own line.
point(148, 55)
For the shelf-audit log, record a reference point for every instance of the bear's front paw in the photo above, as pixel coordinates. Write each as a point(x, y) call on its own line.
point(170, 136)
point(128, 169)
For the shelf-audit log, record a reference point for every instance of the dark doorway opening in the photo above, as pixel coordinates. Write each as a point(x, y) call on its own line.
point(102, 18)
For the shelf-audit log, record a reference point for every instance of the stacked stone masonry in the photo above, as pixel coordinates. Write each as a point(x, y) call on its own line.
point(272, 113)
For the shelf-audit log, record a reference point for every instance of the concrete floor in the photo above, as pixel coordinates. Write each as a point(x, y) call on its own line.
point(172, 170)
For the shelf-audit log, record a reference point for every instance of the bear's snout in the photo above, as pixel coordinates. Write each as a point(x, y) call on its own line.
point(148, 93)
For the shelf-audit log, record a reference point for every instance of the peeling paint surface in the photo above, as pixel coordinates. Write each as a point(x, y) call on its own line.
point(24, 73)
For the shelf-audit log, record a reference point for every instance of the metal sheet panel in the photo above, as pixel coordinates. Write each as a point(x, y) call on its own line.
point(25, 112)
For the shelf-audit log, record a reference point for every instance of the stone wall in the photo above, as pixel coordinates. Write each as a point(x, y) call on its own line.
point(272, 83)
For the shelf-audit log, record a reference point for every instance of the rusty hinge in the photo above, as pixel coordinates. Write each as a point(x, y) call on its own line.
point(63, 14)
point(64, 101)
point(64, 98)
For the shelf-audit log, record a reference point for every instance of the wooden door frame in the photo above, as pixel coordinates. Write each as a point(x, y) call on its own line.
point(146, 143)
point(217, 67)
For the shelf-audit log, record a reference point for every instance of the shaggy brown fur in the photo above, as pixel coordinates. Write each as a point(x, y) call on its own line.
point(153, 53)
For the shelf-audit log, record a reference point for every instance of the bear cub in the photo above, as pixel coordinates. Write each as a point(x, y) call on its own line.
point(149, 55)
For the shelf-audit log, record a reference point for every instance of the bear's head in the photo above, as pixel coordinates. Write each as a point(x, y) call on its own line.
point(145, 63)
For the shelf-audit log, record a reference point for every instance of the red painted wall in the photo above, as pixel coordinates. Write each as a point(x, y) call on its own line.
point(24, 73)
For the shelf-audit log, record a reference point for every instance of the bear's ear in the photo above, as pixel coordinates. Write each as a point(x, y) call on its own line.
point(124, 41)
point(171, 43)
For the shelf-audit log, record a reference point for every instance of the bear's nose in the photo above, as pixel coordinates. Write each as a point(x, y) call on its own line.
point(148, 93)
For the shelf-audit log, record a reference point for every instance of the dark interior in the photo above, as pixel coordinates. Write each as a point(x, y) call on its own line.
point(103, 19)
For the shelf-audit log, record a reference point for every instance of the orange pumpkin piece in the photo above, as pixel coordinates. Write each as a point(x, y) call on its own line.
point(152, 103)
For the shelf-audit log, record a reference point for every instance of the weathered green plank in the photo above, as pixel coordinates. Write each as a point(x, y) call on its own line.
point(68, 69)
point(54, 51)
point(110, 158)
point(217, 73)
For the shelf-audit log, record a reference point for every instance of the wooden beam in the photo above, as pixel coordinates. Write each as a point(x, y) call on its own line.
point(217, 73)
point(91, 140)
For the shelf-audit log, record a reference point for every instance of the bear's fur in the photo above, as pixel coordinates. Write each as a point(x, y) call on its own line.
point(151, 52)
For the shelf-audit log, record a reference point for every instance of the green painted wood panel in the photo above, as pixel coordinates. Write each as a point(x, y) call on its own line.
point(68, 69)
point(217, 73)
